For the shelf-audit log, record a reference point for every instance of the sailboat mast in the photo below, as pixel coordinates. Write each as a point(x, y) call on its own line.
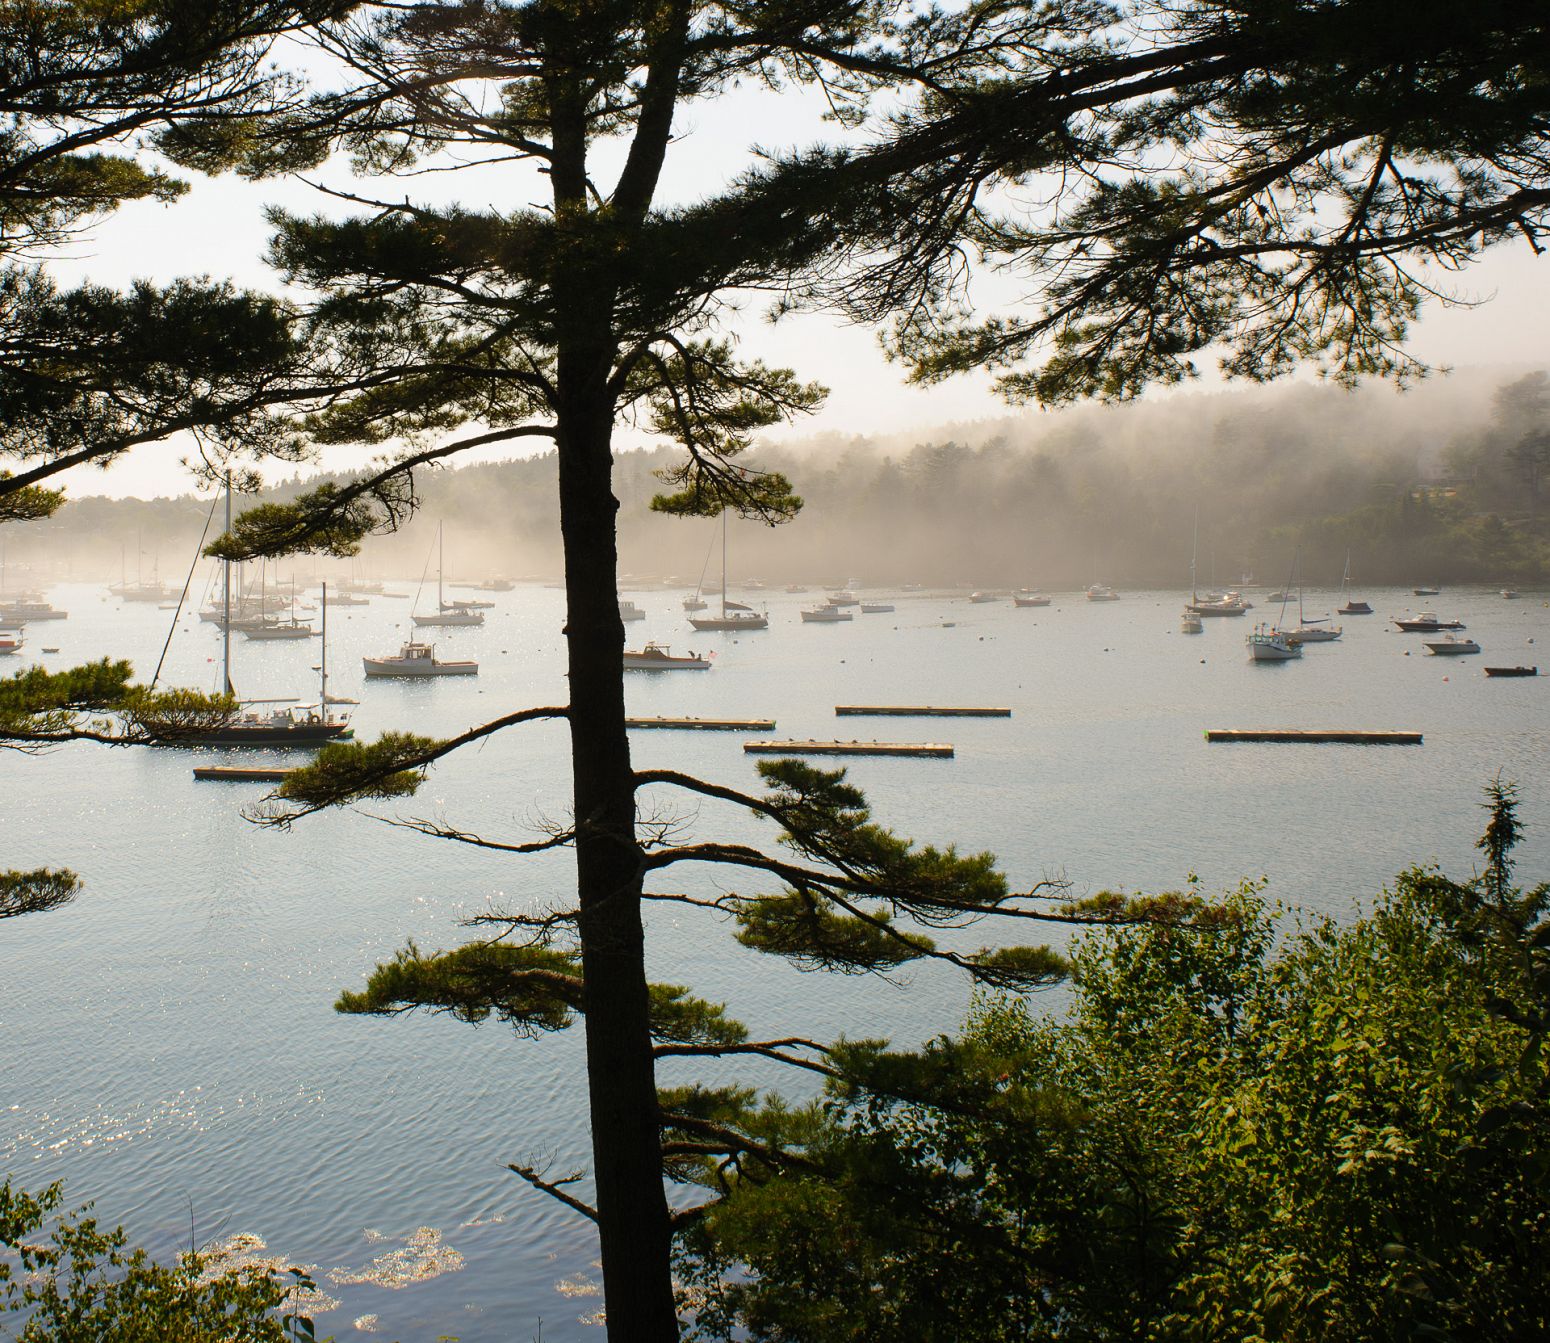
point(226, 601)
point(1194, 551)
point(323, 660)
point(723, 562)
point(441, 554)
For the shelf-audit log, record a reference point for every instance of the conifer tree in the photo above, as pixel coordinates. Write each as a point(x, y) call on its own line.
point(556, 321)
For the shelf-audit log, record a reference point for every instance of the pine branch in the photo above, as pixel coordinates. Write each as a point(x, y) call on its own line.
point(553, 1189)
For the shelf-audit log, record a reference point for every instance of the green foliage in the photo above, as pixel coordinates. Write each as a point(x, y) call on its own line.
point(318, 523)
point(807, 929)
point(28, 503)
point(31, 892)
point(163, 716)
point(67, 1279)
point(1271, 201)
point(391, 766)
point(1340, 1134)
point(532, 989)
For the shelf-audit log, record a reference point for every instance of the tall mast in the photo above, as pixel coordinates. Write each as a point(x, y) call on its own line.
point(723, 561)
point(226, 601)
point(1194, 550)
point(441, 550)
point(323, 661)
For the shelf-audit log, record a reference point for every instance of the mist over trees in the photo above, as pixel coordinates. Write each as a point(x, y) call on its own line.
point(1438, 482)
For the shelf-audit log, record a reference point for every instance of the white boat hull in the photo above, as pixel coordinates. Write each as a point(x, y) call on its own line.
point(730, 622)
point(280, 632)
point(451, 619)
point(829, 616)
point(418, 667)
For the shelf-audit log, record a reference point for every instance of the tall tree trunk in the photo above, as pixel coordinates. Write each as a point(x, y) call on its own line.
point(632, 1208)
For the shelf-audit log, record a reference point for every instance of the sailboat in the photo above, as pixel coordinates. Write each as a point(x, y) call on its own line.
point(734, 615)
point(447, 613)
point(695, 602)
point(1348, 607)
point(266, 628)
point(1272, 645)
point(296, 726)
point(1315, 631)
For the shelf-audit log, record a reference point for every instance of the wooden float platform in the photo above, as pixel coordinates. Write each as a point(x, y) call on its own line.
point(917, 711)
point(1315, 736)
point(931, 748)
point(240, 773)
point(706, 724)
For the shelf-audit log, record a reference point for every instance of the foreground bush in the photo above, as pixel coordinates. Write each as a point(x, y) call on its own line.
point(1340, 1135)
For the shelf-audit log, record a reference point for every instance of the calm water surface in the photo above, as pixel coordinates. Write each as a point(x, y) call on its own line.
point(173, 1054)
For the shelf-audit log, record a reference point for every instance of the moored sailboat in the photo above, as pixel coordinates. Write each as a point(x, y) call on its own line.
point(447, 614)
point(734, 615)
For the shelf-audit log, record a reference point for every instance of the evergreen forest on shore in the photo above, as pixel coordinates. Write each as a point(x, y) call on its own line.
point(1441, 483)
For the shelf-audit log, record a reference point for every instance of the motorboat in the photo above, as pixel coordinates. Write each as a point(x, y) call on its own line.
point(980, 598)
point(1426, 592)
point(842, 598)
point(629, 611)
point(1426, 622)
point(1101, 592)
point(1268, 645)
point(825, 615)
point(1026, 598)
point(25, 610)
point(1190, 623)
point(1512, 671)
point(876, 608)
point(694, 602)
point(1225, 604)
point(11, 641)
point(658, 657)
point(1450, 645)
point(1508, 594)
point(418, 659)
point(469, 604)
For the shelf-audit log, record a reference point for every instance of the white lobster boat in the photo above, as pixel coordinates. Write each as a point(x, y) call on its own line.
point(418, 659)
point(825, 615)
point(1268, 645)
point(657, 657)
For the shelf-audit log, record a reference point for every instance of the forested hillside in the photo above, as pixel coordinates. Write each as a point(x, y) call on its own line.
point(1441, 483)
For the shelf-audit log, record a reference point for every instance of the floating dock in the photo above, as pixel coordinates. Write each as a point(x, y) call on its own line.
point(706, 724)
point(933, 748)
point(240, 773)
point(1314, 736)
point(916, 711)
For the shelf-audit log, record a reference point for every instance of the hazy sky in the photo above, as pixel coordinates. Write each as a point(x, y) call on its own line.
point(219, 230)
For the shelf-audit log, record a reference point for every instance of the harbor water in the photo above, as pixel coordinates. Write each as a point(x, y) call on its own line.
point(172, 1052)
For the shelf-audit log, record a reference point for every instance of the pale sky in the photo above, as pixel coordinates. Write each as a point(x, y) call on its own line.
point(218, 230)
